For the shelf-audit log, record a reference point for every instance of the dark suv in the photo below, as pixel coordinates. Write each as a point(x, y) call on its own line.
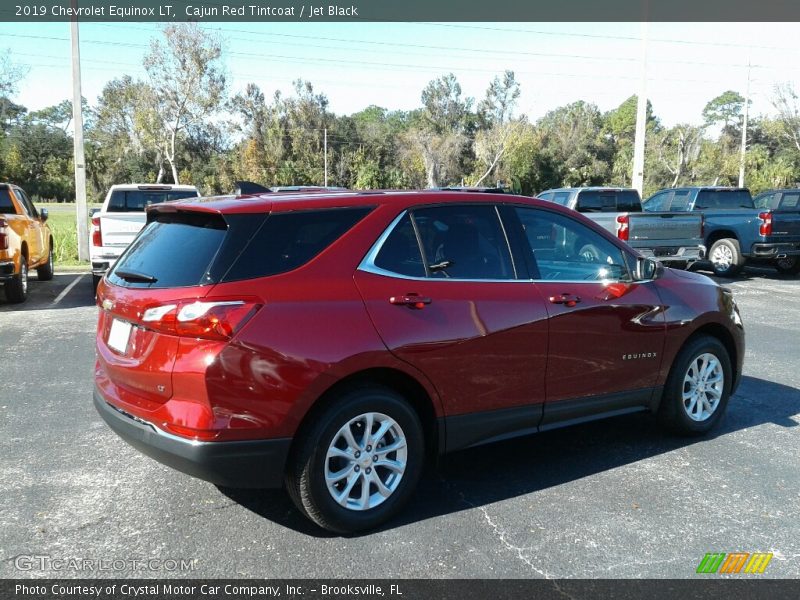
point(331, 342)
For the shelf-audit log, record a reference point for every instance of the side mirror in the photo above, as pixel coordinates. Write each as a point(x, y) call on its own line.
point(44, 214)
point(647, 268)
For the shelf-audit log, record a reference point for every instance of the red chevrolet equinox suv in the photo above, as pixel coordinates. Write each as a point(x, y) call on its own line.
point(332, 343)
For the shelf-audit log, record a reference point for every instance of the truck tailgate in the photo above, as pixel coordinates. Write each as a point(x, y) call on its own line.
point(785, 225)
point(665, 227)
point(119, 229)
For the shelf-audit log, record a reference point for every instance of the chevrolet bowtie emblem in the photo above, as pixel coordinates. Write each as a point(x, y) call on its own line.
point(108, 304)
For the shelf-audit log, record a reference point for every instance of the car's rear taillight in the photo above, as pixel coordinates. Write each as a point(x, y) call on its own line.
point(766, 223)
point(211, 320)
point(3, 235)
point(622, 227)
point(97, 232)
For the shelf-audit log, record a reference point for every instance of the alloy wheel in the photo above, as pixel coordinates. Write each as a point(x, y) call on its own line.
point(365, 461)
point(722, 256)
point(703, 385)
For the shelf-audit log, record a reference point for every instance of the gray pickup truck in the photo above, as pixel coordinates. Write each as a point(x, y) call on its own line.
point(675, 239)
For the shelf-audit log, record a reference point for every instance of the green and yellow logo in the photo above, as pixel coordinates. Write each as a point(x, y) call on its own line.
point(734, 562)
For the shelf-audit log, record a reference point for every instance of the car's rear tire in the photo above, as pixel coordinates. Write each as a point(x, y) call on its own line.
point(726, 257)
point(17, 286)
point(45, 272)
point(333, 460)
point(788, 266)
point(698, 387)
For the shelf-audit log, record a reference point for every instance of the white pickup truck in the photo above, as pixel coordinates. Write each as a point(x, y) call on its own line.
point(122, 217)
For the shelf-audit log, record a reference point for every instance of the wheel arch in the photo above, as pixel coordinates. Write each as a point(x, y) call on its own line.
point(413, 391)
point(719, 234)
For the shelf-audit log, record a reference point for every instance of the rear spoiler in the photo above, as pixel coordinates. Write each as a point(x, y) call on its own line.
point(248, 188)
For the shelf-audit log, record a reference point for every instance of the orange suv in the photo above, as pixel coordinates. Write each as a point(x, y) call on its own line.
point(25, 242)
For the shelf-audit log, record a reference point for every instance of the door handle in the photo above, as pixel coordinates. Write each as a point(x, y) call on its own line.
point(410, 300)
point(566, 299)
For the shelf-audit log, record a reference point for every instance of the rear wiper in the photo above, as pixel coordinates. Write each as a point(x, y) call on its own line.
point(135, 276)
point(441, 266)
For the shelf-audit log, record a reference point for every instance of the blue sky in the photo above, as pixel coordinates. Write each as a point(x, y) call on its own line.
point(388, 64)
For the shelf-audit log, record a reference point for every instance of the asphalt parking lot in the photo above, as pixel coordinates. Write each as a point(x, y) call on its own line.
point(612, 499)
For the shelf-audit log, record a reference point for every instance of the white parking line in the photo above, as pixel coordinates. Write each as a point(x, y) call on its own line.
point(67, 289)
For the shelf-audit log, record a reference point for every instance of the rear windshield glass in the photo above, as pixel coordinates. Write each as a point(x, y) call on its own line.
point(609, 201)
point(173, 250)
point(138, 200)
point(291, 239)
point(6, 205)
point(790, 200)
point(723, 199)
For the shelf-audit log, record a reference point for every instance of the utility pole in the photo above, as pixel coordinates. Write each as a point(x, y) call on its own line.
point(325, 143)
point(744, 127)
point(81, 213)
point(637, 181)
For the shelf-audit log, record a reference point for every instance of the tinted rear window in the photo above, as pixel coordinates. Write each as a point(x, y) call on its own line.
point(723, 199)
point(609, 201)
point(138, 200)
point(176, 249)
point(290, 239)
point(6, 205)
point(790, 200)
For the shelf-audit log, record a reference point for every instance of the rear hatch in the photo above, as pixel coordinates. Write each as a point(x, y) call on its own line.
point(154, 302)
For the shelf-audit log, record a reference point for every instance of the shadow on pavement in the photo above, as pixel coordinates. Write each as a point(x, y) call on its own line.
point(45, 295)
point(491, 473)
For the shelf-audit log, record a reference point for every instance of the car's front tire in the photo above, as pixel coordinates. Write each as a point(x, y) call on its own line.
point(698, 387)
point(358, 461)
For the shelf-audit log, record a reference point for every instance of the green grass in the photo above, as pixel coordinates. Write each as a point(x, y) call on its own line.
point(62, 223)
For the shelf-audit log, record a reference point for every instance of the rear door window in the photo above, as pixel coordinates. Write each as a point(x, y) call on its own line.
point(288, 240)
point(400, 252)
point(790, 200)
point(464, 242)
point(139, 200)
point(680, 201)
point(723, 199)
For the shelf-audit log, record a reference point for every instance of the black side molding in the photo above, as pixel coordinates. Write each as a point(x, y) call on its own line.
point(485, 427)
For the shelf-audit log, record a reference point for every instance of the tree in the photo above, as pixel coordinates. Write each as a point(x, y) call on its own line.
point(11, 74)
point(726, 108)
point(438, 139)
point(785, 101)
point(186, 75)
point(678, 147)
point(573, 137)
point(619, 125)
point(495, 112)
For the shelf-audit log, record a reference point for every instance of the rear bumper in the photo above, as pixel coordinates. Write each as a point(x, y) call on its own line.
point(675, 254)
point(776, 250)
point(248, 464)
point(103, 260)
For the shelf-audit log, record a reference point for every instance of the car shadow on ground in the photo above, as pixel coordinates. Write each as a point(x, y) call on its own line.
point(748, 273)
point(495, 472)
point(53, 294)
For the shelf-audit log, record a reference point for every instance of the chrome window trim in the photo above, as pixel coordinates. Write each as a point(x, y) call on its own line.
point(367, 264)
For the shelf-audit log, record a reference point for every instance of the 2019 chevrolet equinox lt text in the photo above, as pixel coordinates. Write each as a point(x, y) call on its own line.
point(332, 342)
